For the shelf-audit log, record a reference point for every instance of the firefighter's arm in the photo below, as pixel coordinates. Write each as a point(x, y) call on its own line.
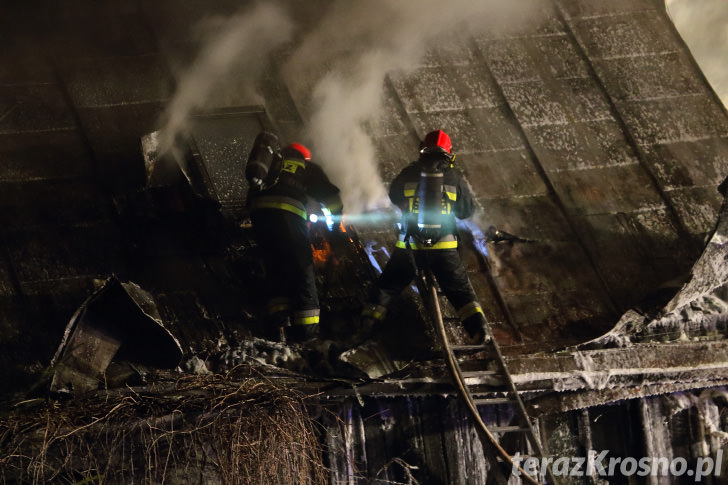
point(396, 191)
point(333, 203)
point(320, 188)
point(465, 205)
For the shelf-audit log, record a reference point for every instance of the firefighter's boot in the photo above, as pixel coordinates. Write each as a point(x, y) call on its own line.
point(275, 327)
point(369, 321)
point(365, 329)
point(476, 330)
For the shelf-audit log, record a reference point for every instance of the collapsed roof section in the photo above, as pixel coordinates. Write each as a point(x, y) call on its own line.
point(118, 318)
point(697, 310)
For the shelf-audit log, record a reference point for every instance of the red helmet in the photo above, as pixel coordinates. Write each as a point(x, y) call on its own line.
point(436, 140)
point(305, 152)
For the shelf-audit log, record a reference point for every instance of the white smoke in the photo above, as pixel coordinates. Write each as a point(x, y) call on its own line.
point(235, 52)
point(337, 72)
point(703, 24)
point(337, 75)
point(338, 129)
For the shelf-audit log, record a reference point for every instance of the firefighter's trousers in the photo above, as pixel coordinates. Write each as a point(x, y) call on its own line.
point(446, 266)
point(286, 250)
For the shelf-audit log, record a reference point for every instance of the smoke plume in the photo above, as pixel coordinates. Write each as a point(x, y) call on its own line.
point(235, 51)
point(336, 72)
point(337, 75)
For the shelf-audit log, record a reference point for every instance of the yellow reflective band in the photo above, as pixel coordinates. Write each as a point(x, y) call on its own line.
point(306, 320)
point(278, 305)
point(409, 189)
point(282, 206)
point(437, 245)
point(450, 195)
point(377, 313)
point(306, 317)
point(470, 309)
point(277, 309)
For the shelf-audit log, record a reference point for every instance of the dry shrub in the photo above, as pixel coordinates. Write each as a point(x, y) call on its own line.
point(201, 429)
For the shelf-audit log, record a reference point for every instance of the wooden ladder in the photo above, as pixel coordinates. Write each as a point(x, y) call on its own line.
point(502, 463)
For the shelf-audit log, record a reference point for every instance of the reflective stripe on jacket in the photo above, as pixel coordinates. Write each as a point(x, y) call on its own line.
point(278, 202)
point(446, 242)
point(298, 180)
point(457, 202)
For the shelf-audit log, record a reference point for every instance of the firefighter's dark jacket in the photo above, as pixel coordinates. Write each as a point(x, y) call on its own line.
point(458, 201)
point(298, 180)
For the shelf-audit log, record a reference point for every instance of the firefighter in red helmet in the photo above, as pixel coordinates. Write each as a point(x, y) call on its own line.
point(277, 204)
point(431, 193)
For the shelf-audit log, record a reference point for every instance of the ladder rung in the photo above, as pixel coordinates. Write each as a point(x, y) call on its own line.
point(492, 400)
point(508, 429)
point(464, 348)
point(468, 374)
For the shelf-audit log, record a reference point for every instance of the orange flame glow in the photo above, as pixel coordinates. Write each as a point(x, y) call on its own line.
point(321, 254)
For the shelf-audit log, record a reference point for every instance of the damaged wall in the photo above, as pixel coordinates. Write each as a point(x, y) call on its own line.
point(393, 440)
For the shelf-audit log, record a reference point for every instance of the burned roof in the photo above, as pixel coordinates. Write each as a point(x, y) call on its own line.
point(585, 129)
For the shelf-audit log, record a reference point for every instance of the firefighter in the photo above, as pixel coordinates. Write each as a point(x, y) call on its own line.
point(280, 226)
point(431, 193)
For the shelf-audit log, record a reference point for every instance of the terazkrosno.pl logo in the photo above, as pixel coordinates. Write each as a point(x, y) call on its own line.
point(597, 464)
